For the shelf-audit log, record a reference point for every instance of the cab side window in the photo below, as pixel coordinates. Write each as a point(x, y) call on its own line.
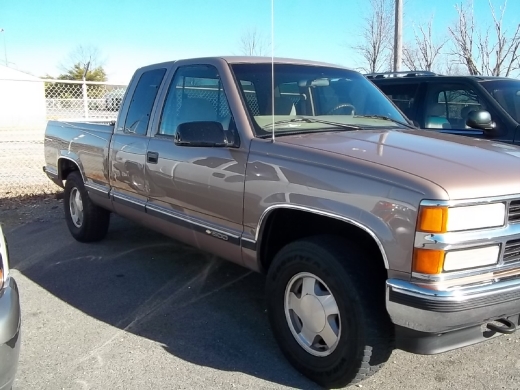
point(195, 94)
point(141, 105)
point(448, 106)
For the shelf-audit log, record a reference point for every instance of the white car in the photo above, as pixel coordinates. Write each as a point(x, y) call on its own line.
point(9, 320)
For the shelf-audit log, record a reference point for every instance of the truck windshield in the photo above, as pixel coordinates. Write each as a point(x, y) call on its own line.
point(313, 98)
point(507, 94)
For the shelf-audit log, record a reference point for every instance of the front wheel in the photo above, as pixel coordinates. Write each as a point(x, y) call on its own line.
point(327, 317)
point(86, 221)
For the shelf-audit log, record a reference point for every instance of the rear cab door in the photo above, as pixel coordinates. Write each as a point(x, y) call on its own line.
point(130, 141)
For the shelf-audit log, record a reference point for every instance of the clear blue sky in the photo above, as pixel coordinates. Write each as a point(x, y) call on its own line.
point(39, 35)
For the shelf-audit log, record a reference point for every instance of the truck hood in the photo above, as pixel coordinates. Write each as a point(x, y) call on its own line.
point(464, 167)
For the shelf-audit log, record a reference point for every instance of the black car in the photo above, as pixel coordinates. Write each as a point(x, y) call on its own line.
point(475, 106)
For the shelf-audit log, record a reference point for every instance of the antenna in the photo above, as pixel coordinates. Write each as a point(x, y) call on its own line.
point(272, 66)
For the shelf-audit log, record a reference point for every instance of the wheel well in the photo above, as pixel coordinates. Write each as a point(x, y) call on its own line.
point(65, 167)
point(286, 225)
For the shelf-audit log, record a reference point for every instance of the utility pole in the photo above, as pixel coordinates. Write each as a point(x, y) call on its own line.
point(398, 35)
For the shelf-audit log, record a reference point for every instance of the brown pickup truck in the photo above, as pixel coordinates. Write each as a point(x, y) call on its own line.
point(373, 234)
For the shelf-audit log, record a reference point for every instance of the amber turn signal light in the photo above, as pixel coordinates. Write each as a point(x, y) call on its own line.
point(428, 261)
point(432, 219)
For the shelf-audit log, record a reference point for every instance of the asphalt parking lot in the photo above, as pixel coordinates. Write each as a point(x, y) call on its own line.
point(140, 311)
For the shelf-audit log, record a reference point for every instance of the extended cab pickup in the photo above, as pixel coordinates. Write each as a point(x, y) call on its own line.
point(374, 235)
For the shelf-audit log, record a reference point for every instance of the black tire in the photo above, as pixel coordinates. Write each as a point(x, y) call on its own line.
point(360, 301)
point(95, 221)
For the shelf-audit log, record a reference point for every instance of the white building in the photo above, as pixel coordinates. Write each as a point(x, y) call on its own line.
point(22, 100)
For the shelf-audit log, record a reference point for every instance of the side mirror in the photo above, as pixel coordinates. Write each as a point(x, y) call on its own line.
point(480, 120)
point(209, 134)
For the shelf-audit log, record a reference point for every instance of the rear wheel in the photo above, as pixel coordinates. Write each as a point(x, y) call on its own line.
point(328, 318)
point(86, 221)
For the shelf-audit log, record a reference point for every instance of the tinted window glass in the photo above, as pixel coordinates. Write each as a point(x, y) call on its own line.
point(142, 101)
point(195, 94)
point(448, 106)
point(507, 94)
point(403, 95)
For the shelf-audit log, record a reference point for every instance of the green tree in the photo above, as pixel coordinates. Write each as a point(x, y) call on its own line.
point(77, 71)
point(81, 58)
point(73, 68)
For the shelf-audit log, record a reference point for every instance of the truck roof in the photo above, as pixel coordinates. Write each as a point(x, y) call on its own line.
point(260, 60)
point(396, 77)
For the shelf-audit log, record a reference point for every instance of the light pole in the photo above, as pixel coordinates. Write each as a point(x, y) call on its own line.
point(84, 89)
point(5, 49)
point(398, 35)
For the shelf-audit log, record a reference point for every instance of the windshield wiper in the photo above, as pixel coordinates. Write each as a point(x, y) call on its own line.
point(383, 117)
point(313, 120)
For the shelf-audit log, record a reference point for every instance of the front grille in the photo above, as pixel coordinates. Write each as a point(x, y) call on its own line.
point(512, 251)
point(514, 211)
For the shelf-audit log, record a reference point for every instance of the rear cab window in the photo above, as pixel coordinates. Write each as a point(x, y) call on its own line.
point(143, 98)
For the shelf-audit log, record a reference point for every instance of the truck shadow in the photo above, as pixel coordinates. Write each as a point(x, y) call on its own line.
point(200, 308)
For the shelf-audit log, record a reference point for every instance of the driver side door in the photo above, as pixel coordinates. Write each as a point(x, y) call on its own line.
point(446, 107)
point(198, 190)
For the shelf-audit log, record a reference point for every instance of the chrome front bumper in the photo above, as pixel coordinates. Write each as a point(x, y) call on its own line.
point(9, 333)
point(431, 321)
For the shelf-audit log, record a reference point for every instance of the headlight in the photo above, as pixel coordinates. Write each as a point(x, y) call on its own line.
point(471, 258)
point(4, 260)
point(442, 219)
point(432, 262)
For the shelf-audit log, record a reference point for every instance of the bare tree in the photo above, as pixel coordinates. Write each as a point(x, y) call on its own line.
point(495, 52)
point(377, 35)
point(451, 68)
point(253, 43)
point(463, 36)
point(83, 55)
point(83, 58)
point(424, 51)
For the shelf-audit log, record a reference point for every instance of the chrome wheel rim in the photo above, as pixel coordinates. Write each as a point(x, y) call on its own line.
point(312, 314)
point(76, 207)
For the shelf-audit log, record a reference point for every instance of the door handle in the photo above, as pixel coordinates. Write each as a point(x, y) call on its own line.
point(152, 157)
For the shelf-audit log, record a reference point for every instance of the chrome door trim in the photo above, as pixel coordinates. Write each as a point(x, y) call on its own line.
point(193, 223)
point(128, 201)
point(98, 189)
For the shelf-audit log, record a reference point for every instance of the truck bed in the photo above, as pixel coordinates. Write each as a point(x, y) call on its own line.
point(84, 142)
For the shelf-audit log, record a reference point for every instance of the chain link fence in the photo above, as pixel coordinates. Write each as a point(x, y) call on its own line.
point(27, 104)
